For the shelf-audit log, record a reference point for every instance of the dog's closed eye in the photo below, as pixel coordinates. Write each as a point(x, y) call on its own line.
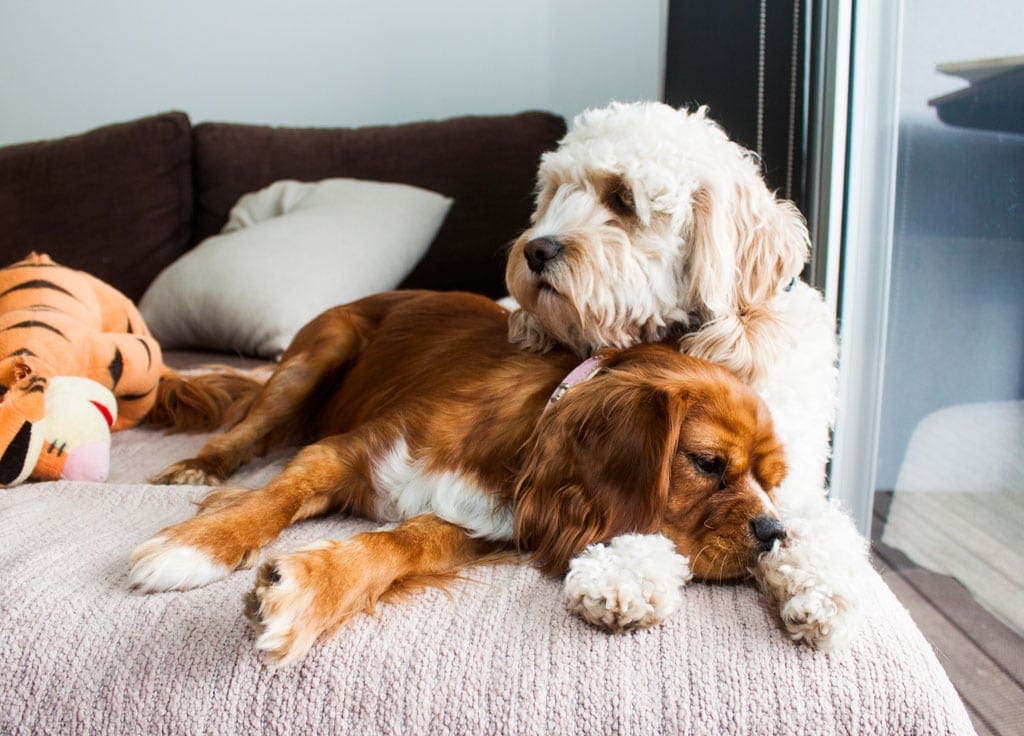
point(709, 465)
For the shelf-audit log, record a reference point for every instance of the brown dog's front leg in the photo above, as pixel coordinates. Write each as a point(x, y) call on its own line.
point(234, 523)
point(311, 592)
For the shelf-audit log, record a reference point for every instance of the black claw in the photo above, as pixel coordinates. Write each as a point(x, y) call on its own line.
point(252, 608)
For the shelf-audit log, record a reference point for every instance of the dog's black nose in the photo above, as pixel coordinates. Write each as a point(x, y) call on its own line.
point(766, 530)
point(541, 250)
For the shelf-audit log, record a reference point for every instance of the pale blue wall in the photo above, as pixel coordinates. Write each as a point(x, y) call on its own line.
point(67, 65)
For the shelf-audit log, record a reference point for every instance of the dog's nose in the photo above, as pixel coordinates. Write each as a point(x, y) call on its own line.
point(766, 530)
point(541, 250)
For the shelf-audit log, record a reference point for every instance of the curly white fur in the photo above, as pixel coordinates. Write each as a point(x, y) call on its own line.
point(633, 582)
point(707, 250)
point(813, 578)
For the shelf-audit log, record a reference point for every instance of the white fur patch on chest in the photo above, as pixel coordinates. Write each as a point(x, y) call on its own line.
point(404, 490)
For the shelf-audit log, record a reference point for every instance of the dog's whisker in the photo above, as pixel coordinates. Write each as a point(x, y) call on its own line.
point(722, 557)
point(696, 557)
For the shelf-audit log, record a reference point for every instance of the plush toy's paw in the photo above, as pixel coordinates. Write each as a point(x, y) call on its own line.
point(79, 414)
point(813, 578)
point(190, 472)
point(634, 582)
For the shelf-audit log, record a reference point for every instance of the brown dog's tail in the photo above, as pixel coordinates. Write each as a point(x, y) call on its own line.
point(204, 401)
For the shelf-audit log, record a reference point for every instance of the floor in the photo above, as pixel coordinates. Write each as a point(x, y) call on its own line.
point(983, 657)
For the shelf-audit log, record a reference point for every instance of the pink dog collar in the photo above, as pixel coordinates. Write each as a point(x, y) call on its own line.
point(583, 372)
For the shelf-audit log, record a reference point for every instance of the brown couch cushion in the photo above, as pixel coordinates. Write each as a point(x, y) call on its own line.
point(486, 164)
point(116, 201)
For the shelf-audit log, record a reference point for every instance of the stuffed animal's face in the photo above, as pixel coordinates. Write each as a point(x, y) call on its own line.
point(53, 428)
point(79, 416)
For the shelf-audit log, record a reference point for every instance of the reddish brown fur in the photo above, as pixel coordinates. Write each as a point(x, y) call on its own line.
point(350, 577)
point(615, 455)
point(202, 402)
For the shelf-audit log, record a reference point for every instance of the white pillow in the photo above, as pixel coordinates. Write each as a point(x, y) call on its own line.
point(287, 253)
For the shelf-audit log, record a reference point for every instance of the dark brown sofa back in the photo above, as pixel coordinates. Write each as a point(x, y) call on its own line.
point(118, 201)
point(486, 164)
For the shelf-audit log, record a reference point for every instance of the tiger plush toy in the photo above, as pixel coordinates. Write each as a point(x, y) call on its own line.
point(77, 362)
point(57, 323)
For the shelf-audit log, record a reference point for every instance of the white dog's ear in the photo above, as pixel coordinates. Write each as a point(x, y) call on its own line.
point(712, 258)
point(746, 246)
point(773, 244)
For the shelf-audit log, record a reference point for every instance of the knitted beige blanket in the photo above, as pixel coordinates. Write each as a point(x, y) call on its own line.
point(80, 654)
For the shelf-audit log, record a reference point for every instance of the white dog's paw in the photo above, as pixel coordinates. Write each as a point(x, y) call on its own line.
point(813, 577)
point(811, 610)
point(818, 617)
point(160, 564)
point(634, 582)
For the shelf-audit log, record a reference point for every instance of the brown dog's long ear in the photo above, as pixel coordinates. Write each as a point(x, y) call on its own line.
point(597, 466)
point(769, 457)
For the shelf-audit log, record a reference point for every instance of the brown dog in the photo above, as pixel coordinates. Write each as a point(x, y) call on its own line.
point(423, 413)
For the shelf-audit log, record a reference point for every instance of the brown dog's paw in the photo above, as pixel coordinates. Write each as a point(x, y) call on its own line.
point(305, 594)
point(162, 563)
point(282, 610)
point(191, 554)
point(191, 472)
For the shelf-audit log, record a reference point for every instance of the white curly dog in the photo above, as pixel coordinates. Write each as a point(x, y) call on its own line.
point(650, 224)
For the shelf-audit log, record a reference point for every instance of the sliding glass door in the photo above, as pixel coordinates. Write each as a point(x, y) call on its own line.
point(930, 273)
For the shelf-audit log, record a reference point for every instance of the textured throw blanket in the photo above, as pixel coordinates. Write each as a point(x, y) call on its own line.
point(79, 653)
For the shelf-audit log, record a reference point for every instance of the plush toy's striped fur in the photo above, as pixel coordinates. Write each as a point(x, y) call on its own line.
point(56, 321)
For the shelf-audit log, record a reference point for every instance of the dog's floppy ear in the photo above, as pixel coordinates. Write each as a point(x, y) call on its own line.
point(746, 246)
point(712, 257)
point(769, 457)
point(596, 466)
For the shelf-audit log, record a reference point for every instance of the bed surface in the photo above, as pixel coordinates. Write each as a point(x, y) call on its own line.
point(497, 654)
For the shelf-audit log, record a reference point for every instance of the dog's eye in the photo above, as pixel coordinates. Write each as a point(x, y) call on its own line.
point(620, 200)
point(713, 466)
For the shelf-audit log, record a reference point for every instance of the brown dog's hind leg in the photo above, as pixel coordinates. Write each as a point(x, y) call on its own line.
point(234, 523)
point(320, 350)
point(302, 595)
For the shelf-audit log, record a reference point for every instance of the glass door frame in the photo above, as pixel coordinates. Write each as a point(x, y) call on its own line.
point(852, 121)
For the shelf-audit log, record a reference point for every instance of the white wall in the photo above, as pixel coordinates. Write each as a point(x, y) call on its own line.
point(68, 65)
